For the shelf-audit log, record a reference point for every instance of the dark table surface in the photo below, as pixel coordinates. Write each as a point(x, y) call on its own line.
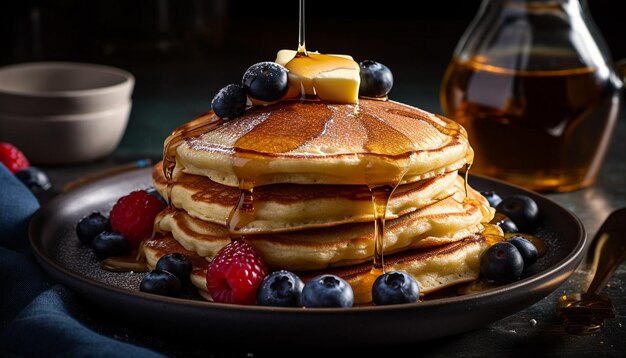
point(170, 92)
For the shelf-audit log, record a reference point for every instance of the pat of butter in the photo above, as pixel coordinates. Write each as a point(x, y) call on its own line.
point(284, 56)
point(341, 85)
point(332, 78)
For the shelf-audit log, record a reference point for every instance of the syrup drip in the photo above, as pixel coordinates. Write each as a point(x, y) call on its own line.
point(243, 213)
point(475, 286)
point(468, 166)
point(301, 33)
point(201, 124)
point(380, 199)
point(135, 262)
point(492, 234)
point(484, 209)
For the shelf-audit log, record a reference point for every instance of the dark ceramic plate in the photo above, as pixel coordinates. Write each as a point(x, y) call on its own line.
point(52, 234)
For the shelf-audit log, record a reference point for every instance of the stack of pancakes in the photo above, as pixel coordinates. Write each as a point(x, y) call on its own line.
point(311, 165)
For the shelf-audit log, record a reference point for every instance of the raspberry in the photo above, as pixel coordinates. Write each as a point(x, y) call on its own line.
point(133, 216)
point(12, 158)
point(235, 274)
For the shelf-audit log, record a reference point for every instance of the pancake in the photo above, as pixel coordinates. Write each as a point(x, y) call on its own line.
point(433, 268)
point(445, 221)
point(380, 142)
point(290, 207)
point(160, 245)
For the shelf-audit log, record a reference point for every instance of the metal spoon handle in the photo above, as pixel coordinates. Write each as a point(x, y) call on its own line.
point(607, 250)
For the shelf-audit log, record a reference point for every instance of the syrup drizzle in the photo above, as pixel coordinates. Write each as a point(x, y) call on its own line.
point(135, 262)
point(201, 124)
point(380, 199)
point(468, 166)
point(484, 208)
point(301, 28)
point(243, 213)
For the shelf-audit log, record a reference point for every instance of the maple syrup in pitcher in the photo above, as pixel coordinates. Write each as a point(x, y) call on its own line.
point(545, 130)
point(532, 83)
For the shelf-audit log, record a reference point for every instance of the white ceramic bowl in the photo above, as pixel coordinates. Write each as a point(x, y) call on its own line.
point(47, 88)
point(65, 138)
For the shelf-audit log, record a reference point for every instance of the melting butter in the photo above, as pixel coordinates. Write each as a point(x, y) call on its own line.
point(331, 78)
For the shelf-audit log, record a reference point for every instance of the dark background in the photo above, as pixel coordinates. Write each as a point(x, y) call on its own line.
point(182, 52)
point(110, 30)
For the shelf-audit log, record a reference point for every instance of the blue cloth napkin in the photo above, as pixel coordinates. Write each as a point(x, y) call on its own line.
point(38, 317)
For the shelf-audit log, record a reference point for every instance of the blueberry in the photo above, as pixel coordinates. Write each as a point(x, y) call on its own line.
point(395, 287)
point(34, 178)
point(376, 79)
point(526, 249)
point(90, 226)
point(152, 191)
point(327, 291)
point(501, 263)
point(229, 102)
point(266, 81)
point(177, 264)
point(107, 244)
point(280, 288)
point(160, 283)
point(522, 209)
point(507, 225)
point(493, 198)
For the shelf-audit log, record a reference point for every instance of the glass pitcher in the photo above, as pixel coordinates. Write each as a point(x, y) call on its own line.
point(533, 84)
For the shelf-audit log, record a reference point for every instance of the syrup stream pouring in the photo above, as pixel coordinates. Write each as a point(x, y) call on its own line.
point(301, 33)
point(584, 313)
